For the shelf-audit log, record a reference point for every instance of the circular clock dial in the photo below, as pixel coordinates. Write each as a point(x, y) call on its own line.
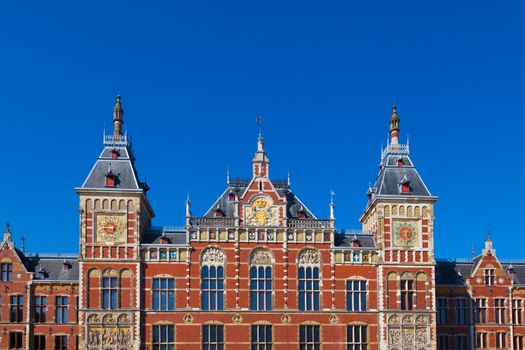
point(405, 234)
point(109, 229)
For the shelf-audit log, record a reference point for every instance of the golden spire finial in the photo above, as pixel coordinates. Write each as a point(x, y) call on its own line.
point(118, 118)
point(394, 126)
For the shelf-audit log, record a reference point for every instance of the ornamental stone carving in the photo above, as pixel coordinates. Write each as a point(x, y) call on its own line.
point(309, 257)
point(421, 336)
point(261, 257)
point(213, 256)
point(261, 213)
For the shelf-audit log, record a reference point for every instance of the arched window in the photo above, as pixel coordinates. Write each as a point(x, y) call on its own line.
point(407, 292)
point(110, 290)
point(308, 280)
point(261, 280)
point(212, 279)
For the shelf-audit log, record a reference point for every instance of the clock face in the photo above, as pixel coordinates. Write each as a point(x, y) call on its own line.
point(110, 228)
point(405, 234)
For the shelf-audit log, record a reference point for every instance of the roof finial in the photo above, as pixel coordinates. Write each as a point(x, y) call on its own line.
point(7, 233)
point(488, 236)
point(188, 206)
point(227, 175)
point(23, 247)
point(332, 205)
point(289, 178)
point(118, 118)
point(394, 126)
point(473, 252)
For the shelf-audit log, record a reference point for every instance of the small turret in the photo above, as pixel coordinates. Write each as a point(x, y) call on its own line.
point(118, 118)
point(394, 126)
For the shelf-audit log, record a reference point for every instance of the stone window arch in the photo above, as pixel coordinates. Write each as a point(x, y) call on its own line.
point(213, 261)
point(309, 279)
point(261, 279)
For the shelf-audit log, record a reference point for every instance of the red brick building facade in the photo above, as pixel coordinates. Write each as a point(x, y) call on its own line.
point(257, 271)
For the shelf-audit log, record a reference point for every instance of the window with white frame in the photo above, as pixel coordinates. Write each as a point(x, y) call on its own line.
point(501, 340)
point(163, 294)
point(163, 337)
point(261, 337)
point(212, 337)
point(356, 337)
point(519, 342)
point(309, 337)
point(517, 311)
point(308, 280)
point(442, 310)
point(212, 279)
point(356, 295)
point(261, 278)
point(407, 294)
point(460, 311)
point(482, 340)
point(499, 310)
point(490, 277)
point(480, 314)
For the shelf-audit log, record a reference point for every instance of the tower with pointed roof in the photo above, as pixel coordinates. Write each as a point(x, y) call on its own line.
point(399, 214)
point(114, 211)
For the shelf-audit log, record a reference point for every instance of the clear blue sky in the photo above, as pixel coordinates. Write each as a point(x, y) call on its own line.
point(194, 74)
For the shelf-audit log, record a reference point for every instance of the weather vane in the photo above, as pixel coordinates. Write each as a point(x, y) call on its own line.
point(258, 121)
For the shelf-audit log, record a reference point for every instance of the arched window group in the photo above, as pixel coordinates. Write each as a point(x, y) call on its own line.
point(308, 280)
point(407, 291)
point(261, 276)
point(212, 279)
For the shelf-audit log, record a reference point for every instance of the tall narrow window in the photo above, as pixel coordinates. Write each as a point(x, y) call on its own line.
point(519, 342)
point(356, 295)
point(163, 337)
point(407, 294)
point(480, 314)
point(61, 308)
point(109, 292)
point(460, 311)
point(60, 342)
point(309, 338)
point(212, 337)
point(481, 340)
point(461, 342)
point(16, 308)
point(261, 337)
point(15, 340)
point(490, 276)
point(6, 272)
point(499, 311)
point(442, 311)
point(39, 342)
point(212, 279)
point(517, 311)
point(442, 342)
point(261, 277)
point(40, 309)
point(501, 340)
point(356, 338)
point(309, 280)
point(163, 294)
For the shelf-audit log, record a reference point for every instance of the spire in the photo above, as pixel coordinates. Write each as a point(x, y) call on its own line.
point(261, 163)
point(332, 206)
point(118, 118)
point(394, 126)
point(489, 249)
point(188, 206)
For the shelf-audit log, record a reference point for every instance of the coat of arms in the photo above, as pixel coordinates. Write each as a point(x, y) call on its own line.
point(261, 213)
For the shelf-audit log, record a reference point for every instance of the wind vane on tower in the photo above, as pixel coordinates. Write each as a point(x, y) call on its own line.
point(258, 120)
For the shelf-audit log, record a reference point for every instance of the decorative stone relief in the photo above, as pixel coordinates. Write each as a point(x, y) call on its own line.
point(261, 213)
point(309, 257)
point(333, 319)
point(261, 257)
point(188, 318)
point(237, 318)
point(285, 319)
point(213, 256)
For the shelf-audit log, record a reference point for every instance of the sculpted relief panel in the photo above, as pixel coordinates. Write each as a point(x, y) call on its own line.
point(408, 332)
point(113, 333)
point(261, 213)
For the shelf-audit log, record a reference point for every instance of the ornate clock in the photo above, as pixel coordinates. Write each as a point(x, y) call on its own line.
point(110, 228)
point(405, 234)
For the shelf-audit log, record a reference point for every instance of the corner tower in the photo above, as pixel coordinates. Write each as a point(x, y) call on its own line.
point(399, 214)
point(114, 211)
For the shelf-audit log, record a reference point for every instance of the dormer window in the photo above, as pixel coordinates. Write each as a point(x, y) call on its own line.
point(164, 240)
point(66, 265)
point(219, 213)
point(355, 242)
point(490, 277)
point(115, 154)
point(110, 180)
point(231, 196)
point(41, 274)
point(405, 188)
point(400, 161)
point(301, 214)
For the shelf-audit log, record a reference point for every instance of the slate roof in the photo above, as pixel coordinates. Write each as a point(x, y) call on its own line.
point(174, 237)
point(238, 186)
point(455, 272)
point(51, 268)
point(344, 239)
point(391, 174)
point(122, 167)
